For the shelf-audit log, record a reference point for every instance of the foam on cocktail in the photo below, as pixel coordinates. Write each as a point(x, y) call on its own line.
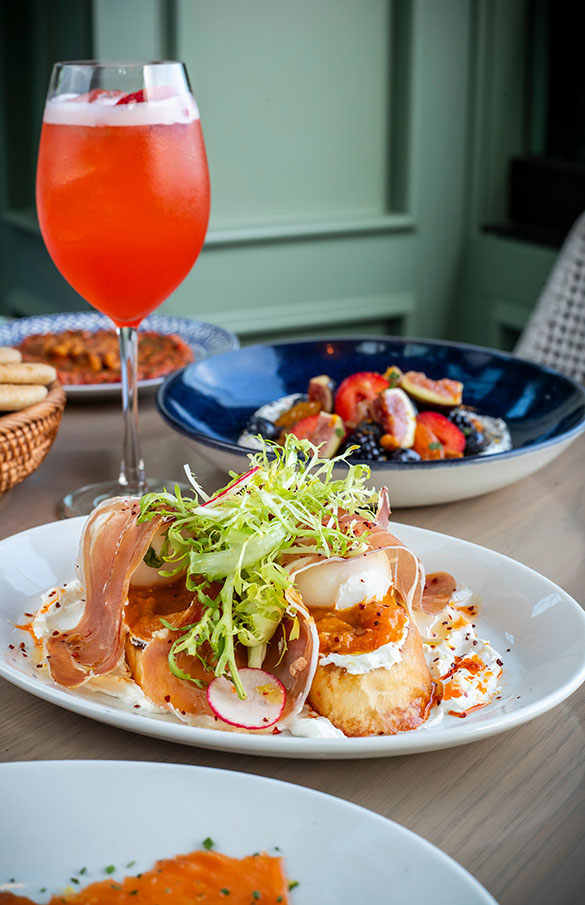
point(74, 110)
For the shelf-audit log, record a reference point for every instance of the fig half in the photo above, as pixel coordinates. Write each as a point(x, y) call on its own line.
point(445, 392)
point(321, 390)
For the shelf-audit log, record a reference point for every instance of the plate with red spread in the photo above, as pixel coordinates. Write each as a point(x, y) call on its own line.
point(83, 347)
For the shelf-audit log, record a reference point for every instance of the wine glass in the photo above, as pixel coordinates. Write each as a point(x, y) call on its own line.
point(123, 205)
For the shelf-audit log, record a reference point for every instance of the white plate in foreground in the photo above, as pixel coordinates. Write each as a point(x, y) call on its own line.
point(537, 628)
point(336, 851)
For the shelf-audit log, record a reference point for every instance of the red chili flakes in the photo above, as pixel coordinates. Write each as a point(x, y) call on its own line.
point(167, 698)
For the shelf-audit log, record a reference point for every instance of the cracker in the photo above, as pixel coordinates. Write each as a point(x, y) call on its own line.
point(14, 397)
point(9, 355)
point(27, 373)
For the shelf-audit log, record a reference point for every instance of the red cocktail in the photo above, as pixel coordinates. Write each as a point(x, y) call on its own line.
point(123, 203)
point(123, 198)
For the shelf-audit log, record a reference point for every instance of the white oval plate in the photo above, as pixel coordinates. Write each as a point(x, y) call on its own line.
point(538, 629)
point(205, 340)
point(336, 851)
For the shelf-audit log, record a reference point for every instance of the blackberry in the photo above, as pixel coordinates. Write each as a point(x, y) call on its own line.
point(369, 428)
point(475, 442)
point(258, 425)
point(462, 419)
point(404, 455)
point(366, 437)
point(475, 439)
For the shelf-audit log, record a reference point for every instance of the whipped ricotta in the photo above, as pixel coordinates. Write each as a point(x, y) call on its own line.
point(384, 657)
point(60, 611)
point(308, 724)
point(468, 667)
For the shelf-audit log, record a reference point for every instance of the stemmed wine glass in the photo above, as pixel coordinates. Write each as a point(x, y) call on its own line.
point(123, 205)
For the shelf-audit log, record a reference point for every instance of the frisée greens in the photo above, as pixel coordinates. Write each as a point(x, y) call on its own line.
point(229, 546)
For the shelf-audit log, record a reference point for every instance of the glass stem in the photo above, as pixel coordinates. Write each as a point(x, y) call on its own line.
point(131, 480)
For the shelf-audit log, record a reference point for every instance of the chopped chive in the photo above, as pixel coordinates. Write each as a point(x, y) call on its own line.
point(293, 884)
point(83, 870)
point(115, 886)
point(208, 843)
point(131, 864)
point(109, 869)
point(224, 891)
point(133, 892)
point(74, 880)
point(255, 894)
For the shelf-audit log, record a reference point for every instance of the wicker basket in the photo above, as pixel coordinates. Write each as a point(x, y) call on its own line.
point(26, 437)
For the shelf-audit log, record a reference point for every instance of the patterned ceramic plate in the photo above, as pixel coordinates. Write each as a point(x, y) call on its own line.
point(205, 340)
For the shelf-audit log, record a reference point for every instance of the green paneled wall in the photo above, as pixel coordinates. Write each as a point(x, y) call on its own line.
point(355, 149)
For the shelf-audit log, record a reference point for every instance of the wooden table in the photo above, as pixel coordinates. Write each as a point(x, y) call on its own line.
point(510, 809)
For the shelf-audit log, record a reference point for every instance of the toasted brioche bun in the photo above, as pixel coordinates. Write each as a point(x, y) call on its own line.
point(380, 702)
point(9, 355)
point(14, 397)
point(27, 373)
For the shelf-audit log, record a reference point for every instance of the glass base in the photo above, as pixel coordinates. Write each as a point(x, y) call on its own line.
point(85, 499)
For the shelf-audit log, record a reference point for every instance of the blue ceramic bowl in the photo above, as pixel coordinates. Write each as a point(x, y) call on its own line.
point(210, 402)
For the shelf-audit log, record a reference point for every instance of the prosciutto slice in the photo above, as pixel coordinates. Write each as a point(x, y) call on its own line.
point(295, 667)
point(112, 546)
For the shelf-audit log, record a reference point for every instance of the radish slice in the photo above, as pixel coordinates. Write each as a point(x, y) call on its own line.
point(263, 706)
point(243, 479)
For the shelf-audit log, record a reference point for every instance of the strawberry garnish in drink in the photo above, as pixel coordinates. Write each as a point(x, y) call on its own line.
point(156, 93)
point(136, 97)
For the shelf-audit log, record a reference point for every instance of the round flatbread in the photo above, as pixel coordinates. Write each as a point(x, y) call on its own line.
point(27, 373)
point(9, 355)
point(14, 397)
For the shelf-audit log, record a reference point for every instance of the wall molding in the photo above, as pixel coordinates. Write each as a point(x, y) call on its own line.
point(312, 313)
point(250, 235)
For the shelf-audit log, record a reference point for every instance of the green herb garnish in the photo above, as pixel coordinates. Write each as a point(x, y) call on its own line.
point(208, 843)
point(434, 445)
point(289, 502)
